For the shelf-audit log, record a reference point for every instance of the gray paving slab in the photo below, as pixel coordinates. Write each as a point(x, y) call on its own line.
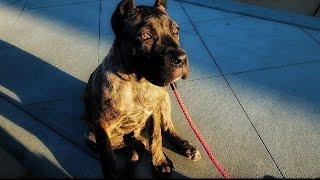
point(315, 34)
point(107, 9)
point(225, 127)
point(39, 149)
point(48, 3)
point(58, 36)
point(245, 43)
point(53, 51)
point(8, 17)
point(7, 1)
point(186, 28)
point(199, 14)
point(284, 105)
point(201, 64)
point(299, 20)
point(65, 116)
point(176, 12)
point(106, 34)
point(30, 79)
point(106, 42)
point(10, 167)
point(4, 3)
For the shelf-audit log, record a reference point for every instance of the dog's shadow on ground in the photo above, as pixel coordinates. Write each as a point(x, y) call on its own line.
point(25, 77)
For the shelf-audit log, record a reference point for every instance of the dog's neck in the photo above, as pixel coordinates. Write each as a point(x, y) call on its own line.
point(120, 61)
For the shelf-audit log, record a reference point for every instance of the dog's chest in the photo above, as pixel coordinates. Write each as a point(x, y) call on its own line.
point(138, 102)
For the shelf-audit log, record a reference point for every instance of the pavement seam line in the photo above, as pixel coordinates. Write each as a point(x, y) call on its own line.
point(201, 78)
point(245, 14)
point(311, 36)
point(14, 24)
point(63, 4)
point(99, 32)
point(272, 67)
point(215, 19)
point(253, 70)
point(47, 126)
point(23, 111)
point(226, 80)
point(7, 5)
point(317, 10)
point(52, 101)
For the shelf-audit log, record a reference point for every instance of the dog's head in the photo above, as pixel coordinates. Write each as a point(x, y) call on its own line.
point(151, 39)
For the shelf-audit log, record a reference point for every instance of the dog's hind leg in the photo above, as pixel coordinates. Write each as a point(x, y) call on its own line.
point(136, 145)
point(182, 145)
point(90, 140)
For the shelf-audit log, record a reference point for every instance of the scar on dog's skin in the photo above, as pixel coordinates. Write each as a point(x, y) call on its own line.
point(129, 87)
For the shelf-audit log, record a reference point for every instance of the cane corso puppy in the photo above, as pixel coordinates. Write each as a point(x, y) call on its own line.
point(129, 88)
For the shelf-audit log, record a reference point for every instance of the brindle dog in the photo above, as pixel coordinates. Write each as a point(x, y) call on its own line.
point(129, 87)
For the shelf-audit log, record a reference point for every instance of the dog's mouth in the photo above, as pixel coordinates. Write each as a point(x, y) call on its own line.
point(164, 82)
point(177, 79)
point(167, 74)
point(182, 75)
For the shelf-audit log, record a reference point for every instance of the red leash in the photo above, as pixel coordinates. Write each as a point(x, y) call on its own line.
point(197, 133)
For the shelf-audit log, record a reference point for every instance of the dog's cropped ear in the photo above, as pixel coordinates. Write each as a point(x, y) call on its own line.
point(161, 4)
point(124, 10)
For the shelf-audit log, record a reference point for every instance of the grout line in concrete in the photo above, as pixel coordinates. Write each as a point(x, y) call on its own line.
point(198, 79)
point(14, 24)
point(247, 14)
point(63, 4)
point(215, 19)
point(226, 80)
point(51, 101)
point(99, 32)
point(47, 126)
point(248, 71)
point(272, 67)
point(318, 42)
point(7, 5)
point(317, 10)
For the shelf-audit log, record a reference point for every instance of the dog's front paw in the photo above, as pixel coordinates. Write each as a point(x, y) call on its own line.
point(191, 152)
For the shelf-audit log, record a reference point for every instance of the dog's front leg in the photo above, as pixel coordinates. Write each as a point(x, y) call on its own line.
point(107, 157)
point(160, 162)
point(184, 146)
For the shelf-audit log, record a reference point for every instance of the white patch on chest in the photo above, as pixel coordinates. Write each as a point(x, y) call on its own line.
point(147, 112)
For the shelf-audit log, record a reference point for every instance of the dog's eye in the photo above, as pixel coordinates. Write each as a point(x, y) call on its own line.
point(145, 36)
point(175, 30)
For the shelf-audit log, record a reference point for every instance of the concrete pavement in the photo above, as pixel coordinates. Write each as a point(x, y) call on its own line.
point(10, 167)
point(253, 90)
